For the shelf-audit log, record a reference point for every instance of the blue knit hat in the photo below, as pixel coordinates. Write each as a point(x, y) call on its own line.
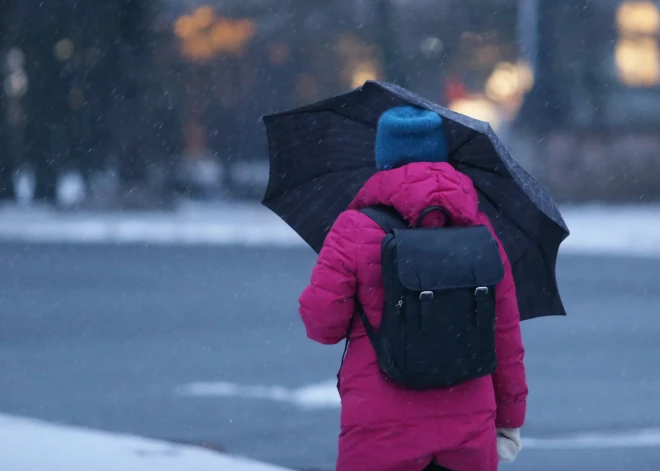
point(408, 134)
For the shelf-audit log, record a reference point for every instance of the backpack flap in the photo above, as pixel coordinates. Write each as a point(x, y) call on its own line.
point(447, 258)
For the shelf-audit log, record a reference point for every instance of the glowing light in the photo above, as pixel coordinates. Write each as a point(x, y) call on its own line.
point(204, 16)
point(509, 82)
point(16, 84)
point(231, 36)
point(198, 47)
point(477, 107)
point(431, 47)
point(63, 49)
point(638, 61)
point(638, 17)
point(203, 35)
point(503, 82)
point(525, 76)
point(185, 26)
point(362, 72)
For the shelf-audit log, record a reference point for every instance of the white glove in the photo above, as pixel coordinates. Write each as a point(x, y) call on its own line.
point(508, 444)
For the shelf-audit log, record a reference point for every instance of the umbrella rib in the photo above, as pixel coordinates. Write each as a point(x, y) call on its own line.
point(513, 221)
point(314, 153)
point(329, 172)
point(352, 118)
point(331, 110)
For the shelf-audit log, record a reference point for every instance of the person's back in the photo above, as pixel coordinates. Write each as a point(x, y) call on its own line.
point(385, 425)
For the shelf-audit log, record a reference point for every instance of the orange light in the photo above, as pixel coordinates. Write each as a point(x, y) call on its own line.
point(231, 36)
point(364, 71)
point(477, 107)
point(204, 16)
point(198, 47)
point(203, 35)
point(184, 27)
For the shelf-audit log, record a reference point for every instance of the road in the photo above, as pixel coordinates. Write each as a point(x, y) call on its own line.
point(105, 337)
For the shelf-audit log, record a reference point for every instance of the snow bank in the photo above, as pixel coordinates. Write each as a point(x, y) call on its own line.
point(619, 230)
point(31, 445)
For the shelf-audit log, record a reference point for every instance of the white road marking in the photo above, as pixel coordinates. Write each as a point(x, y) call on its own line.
point(643, 438)
point(324, 396)
point(315, 396)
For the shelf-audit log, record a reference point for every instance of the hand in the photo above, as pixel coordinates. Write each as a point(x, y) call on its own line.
point(508, 444)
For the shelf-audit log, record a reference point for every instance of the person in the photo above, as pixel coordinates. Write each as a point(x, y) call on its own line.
point(384, 426)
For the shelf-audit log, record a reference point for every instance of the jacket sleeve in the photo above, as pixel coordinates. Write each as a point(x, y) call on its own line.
point(509, 380)
point(327, 304)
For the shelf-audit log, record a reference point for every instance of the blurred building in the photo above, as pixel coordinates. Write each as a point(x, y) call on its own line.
point(593, 114)
point(247, 59)
point(572, 85)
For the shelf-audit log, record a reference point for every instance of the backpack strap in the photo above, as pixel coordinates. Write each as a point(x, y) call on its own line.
point(388, 219)
point(425, 212)
point(485, 300)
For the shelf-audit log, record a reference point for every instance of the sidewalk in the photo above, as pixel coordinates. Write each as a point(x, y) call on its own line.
point(246, 224)
point(632, 230)
point(33, 445)
point(622, 230)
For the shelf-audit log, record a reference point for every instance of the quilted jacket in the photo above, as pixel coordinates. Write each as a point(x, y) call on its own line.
point(384, 426)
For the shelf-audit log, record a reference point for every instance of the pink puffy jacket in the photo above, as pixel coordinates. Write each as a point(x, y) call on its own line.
point(384, 426)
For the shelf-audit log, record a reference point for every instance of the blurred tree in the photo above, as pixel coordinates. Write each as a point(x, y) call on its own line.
point(95, 32)
point(151, 118)
point(393, 63)
point(94, 90)
point(563, 41)
point(543, 108)
point(46, 42)
point(593, 35)
point(7, 158)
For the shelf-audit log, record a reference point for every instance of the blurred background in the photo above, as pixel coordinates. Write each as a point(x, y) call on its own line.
point(144, 290)
point(137, 102)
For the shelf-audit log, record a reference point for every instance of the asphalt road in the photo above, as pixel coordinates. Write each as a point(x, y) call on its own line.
point(104, 336)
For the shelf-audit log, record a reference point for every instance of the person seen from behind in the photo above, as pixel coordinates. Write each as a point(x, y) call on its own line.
point(392, 415)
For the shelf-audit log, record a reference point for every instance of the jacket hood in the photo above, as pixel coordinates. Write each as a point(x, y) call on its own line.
point(416, 186)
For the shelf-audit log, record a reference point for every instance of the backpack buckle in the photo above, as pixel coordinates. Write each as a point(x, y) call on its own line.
point(481, 291)
point(426, 294)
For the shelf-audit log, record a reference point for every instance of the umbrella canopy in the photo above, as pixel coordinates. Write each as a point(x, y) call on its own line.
point(322, 154)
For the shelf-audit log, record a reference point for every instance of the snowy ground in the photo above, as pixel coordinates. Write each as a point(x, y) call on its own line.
point(203, 345)
point(33, 445)
point(620, 230)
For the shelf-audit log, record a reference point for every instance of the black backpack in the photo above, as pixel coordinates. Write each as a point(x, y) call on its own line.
point(438, 324)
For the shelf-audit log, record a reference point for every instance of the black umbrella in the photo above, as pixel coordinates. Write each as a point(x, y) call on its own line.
point(322, 154)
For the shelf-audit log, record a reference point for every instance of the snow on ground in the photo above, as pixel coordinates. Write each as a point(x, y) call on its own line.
point(243, 224)
point(622, 230)
point(31, 445)
point(324, 395)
